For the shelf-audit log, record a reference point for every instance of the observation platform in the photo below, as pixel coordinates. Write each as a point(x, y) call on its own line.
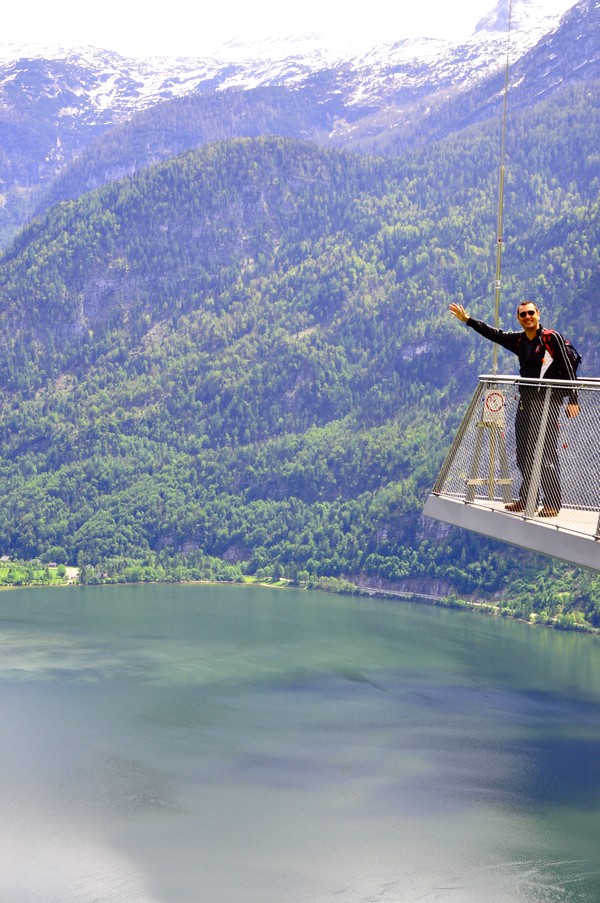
point(480, 474)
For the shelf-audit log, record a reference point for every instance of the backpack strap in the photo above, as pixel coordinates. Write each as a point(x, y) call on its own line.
point(547, 345)
point(545, 337)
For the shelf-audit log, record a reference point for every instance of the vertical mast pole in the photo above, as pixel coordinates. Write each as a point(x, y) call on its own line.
point(501, 193)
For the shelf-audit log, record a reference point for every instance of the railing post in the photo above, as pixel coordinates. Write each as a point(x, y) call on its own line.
point(492, 424)
point(505, 479)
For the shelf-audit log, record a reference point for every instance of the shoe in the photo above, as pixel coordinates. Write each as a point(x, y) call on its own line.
point(515, 506)
point(548, 511)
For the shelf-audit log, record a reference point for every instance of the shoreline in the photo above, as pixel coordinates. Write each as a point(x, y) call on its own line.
point(450, 601)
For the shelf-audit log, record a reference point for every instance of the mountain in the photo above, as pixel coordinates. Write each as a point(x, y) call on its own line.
point(99, 85)
point(235, 356)
point(241, 357)
point(55, 108)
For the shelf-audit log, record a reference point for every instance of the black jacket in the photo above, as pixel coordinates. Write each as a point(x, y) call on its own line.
point(531, 352)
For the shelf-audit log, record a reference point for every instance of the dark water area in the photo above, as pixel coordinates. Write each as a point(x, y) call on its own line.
point(229, 744)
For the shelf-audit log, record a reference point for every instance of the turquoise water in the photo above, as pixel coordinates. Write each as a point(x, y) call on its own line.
point(247, 745)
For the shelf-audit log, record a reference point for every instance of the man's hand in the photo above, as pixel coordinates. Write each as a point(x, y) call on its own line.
point(572, 409)
point(459, 312)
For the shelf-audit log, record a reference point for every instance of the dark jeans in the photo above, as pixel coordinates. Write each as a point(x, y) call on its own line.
point(527, 431)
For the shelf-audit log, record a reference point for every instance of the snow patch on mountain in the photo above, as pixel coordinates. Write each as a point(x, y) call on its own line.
point(123, 86)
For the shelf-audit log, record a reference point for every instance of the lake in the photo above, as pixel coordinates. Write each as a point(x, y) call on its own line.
point(230, 744)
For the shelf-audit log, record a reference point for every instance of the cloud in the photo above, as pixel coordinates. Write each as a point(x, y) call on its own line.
point(179, 28)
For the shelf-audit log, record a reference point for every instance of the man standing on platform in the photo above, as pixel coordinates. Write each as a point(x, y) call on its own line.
point(542, 353)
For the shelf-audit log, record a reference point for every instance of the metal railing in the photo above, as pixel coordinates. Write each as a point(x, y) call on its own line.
point(517, 444)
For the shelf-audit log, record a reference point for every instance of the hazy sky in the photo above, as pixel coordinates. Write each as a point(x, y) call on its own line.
point(180, 27)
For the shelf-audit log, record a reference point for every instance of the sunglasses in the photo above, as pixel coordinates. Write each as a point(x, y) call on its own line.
point(527, 313)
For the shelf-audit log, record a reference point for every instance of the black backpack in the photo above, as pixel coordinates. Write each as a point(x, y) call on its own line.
point(570, 349)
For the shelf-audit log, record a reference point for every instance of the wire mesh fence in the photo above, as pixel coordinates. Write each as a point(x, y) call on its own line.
point(532, 445)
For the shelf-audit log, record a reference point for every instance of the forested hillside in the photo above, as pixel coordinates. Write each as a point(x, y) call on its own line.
point(242, 356)
point(174, 127)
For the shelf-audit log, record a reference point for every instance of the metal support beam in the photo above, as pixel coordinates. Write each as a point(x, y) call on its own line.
point(537, 536)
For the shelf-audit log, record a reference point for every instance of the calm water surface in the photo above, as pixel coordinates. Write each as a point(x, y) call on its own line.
point(243, 745)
